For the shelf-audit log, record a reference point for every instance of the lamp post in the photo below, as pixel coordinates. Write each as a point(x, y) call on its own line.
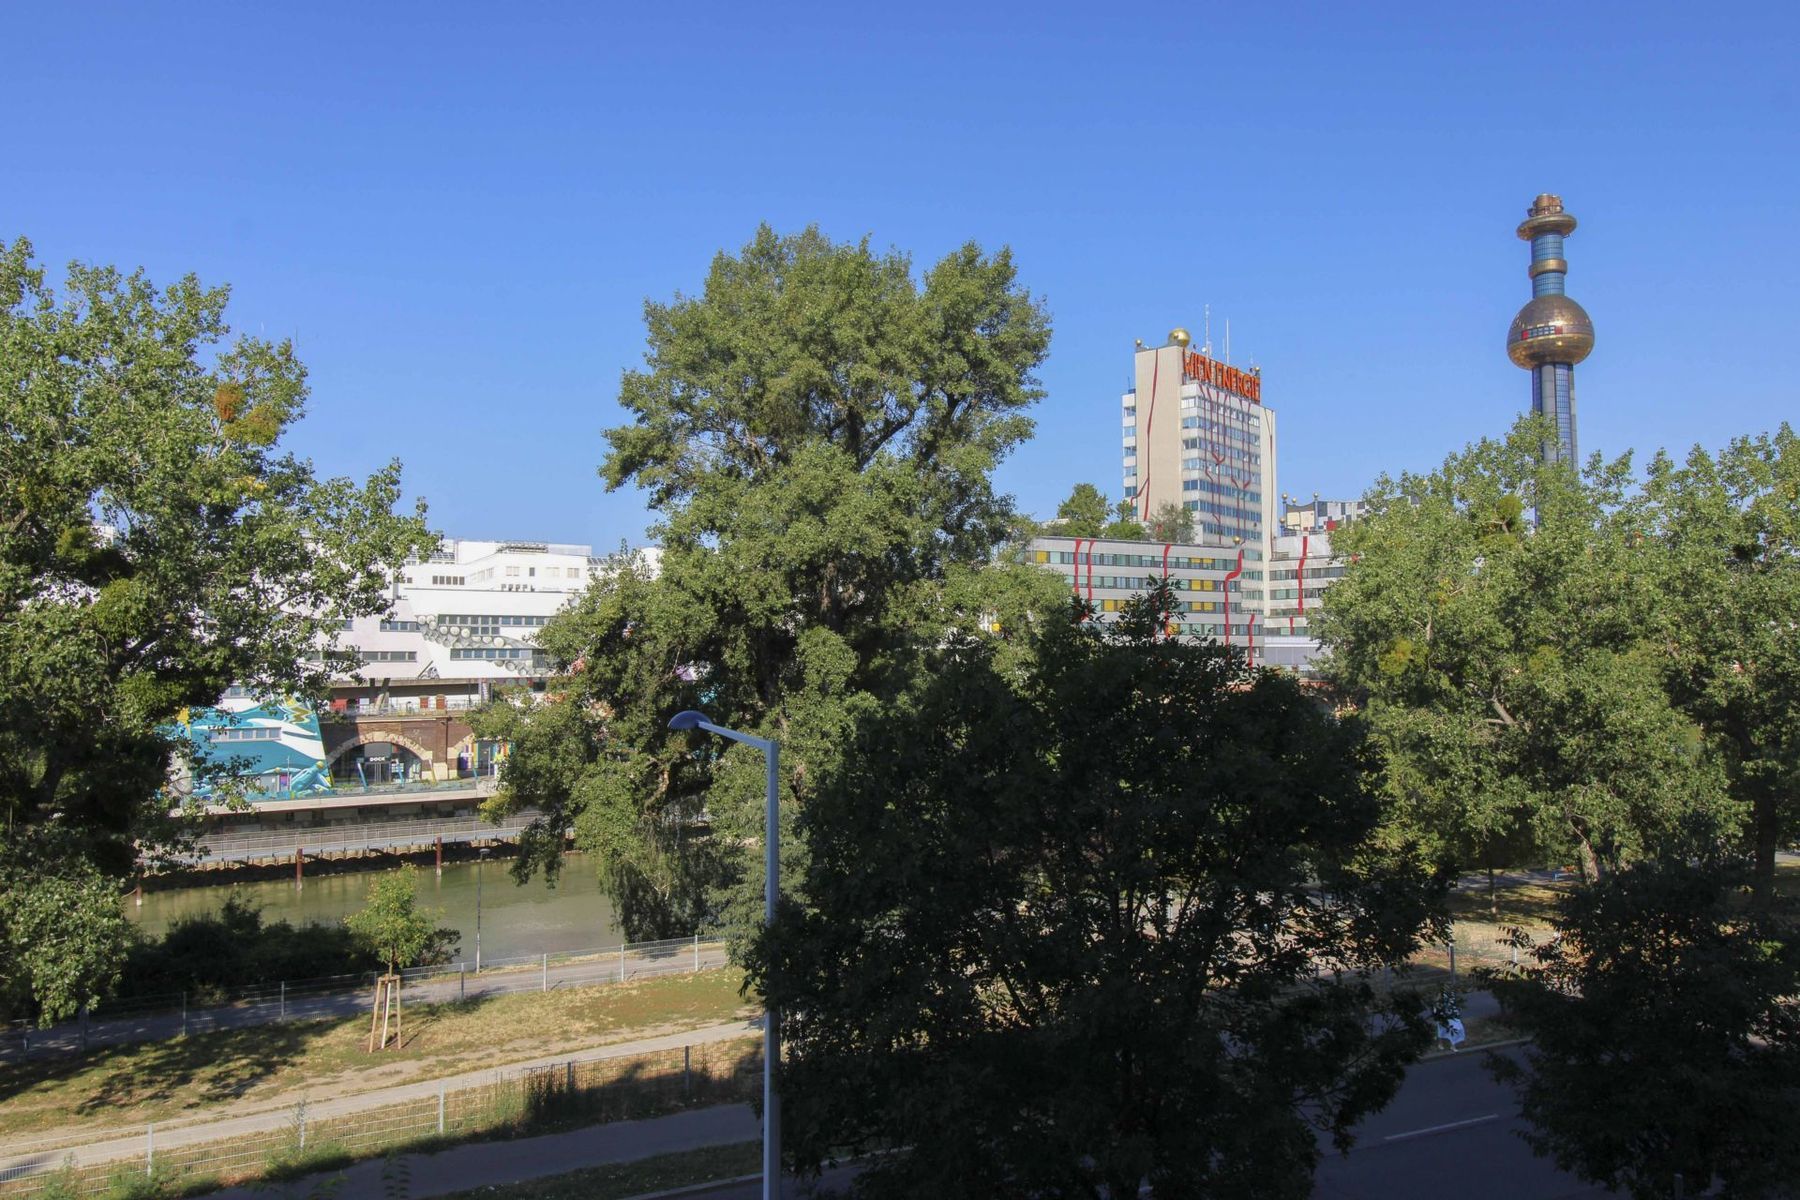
point(690, 719)
point(480, 857)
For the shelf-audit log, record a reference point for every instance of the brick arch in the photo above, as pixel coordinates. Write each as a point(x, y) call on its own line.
point(381, 735)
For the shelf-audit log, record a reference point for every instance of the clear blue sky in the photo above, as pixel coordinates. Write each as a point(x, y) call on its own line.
point(458, 209)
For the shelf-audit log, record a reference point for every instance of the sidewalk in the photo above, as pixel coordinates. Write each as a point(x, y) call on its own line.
point(25, 1157)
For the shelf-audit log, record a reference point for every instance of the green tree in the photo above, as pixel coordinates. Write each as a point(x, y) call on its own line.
point(1171, 522)
point(395, 929)
point(1083, 514)
point(1729, 527)
point(1665, 1036)
point(1100, 916)
point(816, 432)
point(66, 938)
point(1124, 526)
point(1515, 670)
point(156, 547)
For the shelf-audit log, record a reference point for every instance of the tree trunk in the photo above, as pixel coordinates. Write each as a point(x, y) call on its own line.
point(1765, 820)
point(1590, 862)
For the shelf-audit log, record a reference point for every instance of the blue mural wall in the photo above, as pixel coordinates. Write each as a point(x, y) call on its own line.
point(279, 741)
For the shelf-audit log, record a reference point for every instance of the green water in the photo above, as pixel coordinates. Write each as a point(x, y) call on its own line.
point(515, 920)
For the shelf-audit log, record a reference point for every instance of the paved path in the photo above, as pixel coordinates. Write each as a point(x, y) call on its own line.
point(353, 999)
point(23, 1158)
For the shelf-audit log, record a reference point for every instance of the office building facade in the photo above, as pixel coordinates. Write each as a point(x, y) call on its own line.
point(1196, 434)
point(1218, 589)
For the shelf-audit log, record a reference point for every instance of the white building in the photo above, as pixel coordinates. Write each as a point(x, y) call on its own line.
point(1218, 589)
point(1300, 569)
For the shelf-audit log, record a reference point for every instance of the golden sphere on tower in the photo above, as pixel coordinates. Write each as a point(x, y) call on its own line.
point(1179, 337)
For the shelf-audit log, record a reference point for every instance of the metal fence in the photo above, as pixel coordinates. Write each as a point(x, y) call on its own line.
point(363, 835)
point(150, 1018)
point(190, 1155)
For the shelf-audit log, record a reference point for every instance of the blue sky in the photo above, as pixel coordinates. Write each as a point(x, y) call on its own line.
point(458, 210)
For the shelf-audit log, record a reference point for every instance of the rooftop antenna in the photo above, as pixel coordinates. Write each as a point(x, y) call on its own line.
point(1228, 341)
point(1207, 329)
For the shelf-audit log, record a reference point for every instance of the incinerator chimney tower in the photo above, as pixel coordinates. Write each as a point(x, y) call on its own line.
point(1551, 333)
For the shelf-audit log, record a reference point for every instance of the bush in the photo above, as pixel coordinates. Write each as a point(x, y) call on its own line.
point(210, 954)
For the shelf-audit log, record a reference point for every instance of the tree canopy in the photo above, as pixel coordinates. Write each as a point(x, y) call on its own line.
point(1083, 514)
point(1094, 916)
point(156, 547)
point(1171, 522)
point(394, 928)
point(1728, 527)
point(1505, 624)
point(1665, 1035)
point(815, 431)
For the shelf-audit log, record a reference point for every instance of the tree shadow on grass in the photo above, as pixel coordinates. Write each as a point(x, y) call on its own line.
point(222, 1066)
point(209, 1067)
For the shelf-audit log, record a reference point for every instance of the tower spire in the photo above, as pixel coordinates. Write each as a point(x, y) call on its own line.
point(1551, 333)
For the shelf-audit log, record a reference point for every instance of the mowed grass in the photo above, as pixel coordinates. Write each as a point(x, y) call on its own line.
point(269, 1066)
point(619, 1180)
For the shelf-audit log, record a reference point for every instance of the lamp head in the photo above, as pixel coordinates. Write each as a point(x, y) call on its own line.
point(686, 719)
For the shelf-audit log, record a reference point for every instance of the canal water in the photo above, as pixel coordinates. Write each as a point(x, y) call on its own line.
point(532, 918)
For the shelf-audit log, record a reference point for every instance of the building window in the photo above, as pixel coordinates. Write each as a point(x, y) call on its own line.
point(391, 626)
point(375, 656)
point(446, 581)
point(255, 733)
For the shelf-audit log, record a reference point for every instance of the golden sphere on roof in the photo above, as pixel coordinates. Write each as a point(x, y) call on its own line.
point(1179, 337)
point(1550, 329)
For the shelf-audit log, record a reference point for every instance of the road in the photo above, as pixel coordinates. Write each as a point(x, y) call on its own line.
point(1450, 1132)
point(354, 998)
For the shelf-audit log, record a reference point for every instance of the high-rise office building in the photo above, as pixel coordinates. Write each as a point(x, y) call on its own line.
point(1551, 333)
point(1197, 434)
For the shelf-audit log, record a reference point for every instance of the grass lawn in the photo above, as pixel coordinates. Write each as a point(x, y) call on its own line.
point(275, 1065)
point(621, 1180)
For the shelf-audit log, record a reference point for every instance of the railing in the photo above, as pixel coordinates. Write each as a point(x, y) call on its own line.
point(367, 835)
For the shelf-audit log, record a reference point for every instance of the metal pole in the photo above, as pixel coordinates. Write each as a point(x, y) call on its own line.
point(621, 962)
point(150, 1148)
point(687, 1072)
point(544, 979)
point(440, 1110)
point(771, 1020)
point(284, 999)
point(1453, 960)
point(480, 858)
point(462, 981)
point(184, 1014)
point(696, 950)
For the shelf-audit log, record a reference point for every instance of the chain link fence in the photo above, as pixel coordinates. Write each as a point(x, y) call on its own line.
point(150, 1018)
point(180, 1157)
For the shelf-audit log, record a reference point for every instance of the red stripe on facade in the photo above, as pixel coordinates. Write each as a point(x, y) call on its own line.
point(1231, 575)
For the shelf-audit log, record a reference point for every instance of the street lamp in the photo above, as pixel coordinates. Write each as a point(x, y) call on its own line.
point(690, 719)
point(480, 857)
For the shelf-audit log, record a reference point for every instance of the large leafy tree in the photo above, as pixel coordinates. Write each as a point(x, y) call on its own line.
point(815, 431)
point(1729, 526)
point(156, 546)
point(1096, 916)
point(1503, 624)
point(1665, 1036)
